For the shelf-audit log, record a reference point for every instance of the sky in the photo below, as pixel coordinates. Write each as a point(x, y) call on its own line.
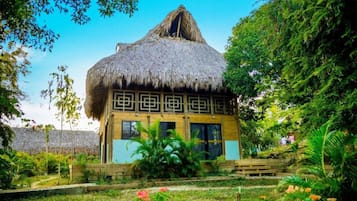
point(81, 46)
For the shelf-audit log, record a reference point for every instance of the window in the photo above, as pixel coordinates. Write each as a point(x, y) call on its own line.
point(165, 126)
point(210, 139)
point(129, 130)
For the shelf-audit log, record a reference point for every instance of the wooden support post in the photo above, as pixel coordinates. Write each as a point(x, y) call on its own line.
point(178, 26)
point(238, 197)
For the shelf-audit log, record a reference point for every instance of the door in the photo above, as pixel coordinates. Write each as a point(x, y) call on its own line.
point(209, 139)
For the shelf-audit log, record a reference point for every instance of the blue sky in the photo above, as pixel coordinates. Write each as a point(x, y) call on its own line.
point(81, 46)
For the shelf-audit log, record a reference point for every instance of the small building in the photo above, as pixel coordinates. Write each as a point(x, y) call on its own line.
point(172, 75)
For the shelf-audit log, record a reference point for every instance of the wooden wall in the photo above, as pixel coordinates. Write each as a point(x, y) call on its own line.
point(228, 123)
point(111, 124)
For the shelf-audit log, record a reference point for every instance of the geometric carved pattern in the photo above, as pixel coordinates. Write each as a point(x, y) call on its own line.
point(199, 104)
point(173, 103)
point(223, 105)
point(230, 105)
point(219, 104)
point(144, 101)
point(149, 102)
point(124, 101)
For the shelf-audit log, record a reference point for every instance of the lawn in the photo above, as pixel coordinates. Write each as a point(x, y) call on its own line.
point(127, 195)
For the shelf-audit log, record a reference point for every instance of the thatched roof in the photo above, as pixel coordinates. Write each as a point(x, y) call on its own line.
point(172, 55)
point(33, 141)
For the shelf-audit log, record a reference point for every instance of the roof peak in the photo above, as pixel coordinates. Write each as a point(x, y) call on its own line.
point(178, 24)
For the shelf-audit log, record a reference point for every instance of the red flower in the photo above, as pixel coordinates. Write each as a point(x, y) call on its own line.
point(143, 195)
point(163, 189)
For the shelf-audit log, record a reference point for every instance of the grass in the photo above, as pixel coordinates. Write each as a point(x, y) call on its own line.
point(125, 195)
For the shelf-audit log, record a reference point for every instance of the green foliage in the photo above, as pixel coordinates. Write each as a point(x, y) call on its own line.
point(7, 168)
point(302, 53)
point(20, 30)
point(12, 64)
point(164, 157)
point(49, 162)
point(338, 149)
point(82, 161)
point(215, 164)
point(25, 165)
point(20, 18)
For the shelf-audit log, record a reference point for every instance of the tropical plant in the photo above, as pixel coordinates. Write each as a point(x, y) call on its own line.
point(7, 168)
point(336, 149)
point(189, 157)
point(163, 157)
point(302, 53)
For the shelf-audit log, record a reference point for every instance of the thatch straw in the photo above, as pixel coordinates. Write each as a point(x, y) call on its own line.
point(178, 23)
point(158, 60)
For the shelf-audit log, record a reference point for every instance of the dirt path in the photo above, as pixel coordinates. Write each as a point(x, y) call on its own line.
point(37, 183)
point(197, 188)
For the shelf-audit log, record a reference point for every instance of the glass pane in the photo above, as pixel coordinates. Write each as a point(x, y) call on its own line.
point(215, 150)
point(200, 128)
point(125, 130)
point(133, 131)
point(129, 130)
point(165, 126)
point(214, 132)
point(200, 147)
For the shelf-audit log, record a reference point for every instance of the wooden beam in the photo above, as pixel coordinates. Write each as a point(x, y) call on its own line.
point(178, 26)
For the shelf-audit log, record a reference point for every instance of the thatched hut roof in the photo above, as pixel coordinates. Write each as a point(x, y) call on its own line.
point(172, 55)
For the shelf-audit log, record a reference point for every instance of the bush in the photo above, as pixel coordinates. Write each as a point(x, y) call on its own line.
point(7, 168)
point(82, 161)
point(48, 162)
point(26, 165)
point(337, 149)
point(165, 157)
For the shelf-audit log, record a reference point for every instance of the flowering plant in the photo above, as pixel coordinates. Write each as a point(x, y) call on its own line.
point(299, 193)
point(143, 195)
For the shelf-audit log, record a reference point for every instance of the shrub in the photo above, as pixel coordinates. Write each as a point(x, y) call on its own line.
point(164, 157)
point(25, 165)
point(7, 168)
point(338, 149)
point(82, 161)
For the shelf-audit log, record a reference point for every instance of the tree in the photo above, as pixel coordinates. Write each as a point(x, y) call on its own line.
point(65, 100)
point(12, 63)
point(308, 54)
point(20, 29)
point(46, 130)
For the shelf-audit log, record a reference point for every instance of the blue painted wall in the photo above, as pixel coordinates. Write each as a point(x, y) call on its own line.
point(123, 150)
point(232, 150)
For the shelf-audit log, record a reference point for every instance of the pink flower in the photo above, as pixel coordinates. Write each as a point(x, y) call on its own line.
point(163, 189)
point(143, 195)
